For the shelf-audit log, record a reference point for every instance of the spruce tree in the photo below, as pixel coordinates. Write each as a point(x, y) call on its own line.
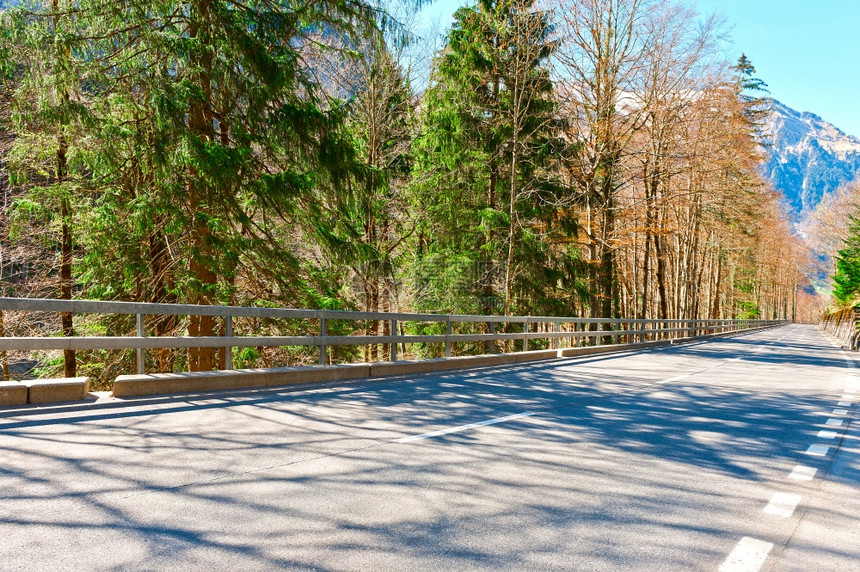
point(752, 93)
point(49, 114)
point(846, 280)
point(373, 219)
point(483, 160)
point(206, 131)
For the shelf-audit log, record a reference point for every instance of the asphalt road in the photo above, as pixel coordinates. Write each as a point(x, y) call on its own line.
point(691, 457)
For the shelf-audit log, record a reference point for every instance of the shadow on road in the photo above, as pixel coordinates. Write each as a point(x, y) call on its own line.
point(314, 479)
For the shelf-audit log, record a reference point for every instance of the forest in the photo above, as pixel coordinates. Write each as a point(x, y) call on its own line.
point(592, 158)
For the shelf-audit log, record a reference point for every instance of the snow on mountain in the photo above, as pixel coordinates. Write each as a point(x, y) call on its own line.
point(808, 157)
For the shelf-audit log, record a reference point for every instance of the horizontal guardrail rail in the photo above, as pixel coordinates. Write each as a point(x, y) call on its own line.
point(573, 329)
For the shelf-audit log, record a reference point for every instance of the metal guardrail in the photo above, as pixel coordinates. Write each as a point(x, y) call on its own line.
point(572, 329)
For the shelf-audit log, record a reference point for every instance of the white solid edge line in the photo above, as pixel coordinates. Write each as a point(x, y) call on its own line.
point(817, 450)
point(463, 427)
point(803, 473)
point(782, 504)
point(748, 556)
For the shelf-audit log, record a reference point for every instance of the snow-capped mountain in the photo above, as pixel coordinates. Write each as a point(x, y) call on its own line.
point(808, 157)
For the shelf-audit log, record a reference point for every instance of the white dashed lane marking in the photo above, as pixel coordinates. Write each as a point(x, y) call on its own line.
point(677, 378)
point(844, 404)
point(748, 555)
point(827, 434)
point(692, 373)
point(782, 504)
point(817, 450)
point(833, 422)
point(840, 412)
point(463, 427)
point(803, 473)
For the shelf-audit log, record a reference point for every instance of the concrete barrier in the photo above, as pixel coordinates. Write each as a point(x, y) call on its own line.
point(13, 393)
point(590, 350)
point(381, 369)
point(52, 390)
point(156, 383)
point(536, 355)
point(163, 383)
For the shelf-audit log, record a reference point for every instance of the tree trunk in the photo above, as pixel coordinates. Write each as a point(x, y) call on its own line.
point(512, 200)
point(649, 239)
point(162, 292)
point(70, 367)
point(660, 255)
point(715, 308)
point(202, 263)
point(3, 356)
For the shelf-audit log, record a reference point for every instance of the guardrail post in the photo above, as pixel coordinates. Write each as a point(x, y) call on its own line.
point(526, 338)
point(394, 343)
point(228, 350)
point(139, 351)
point(556, 341)
point(448, 338)
point(492, 326)
point(614, 334)
point(323, 334)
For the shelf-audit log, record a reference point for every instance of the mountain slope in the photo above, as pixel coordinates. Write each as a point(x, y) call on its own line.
point(808, 156)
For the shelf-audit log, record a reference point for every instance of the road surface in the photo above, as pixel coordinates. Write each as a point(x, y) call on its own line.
point(731, 454)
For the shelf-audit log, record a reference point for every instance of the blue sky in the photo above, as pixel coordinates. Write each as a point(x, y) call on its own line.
point(807, 51)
